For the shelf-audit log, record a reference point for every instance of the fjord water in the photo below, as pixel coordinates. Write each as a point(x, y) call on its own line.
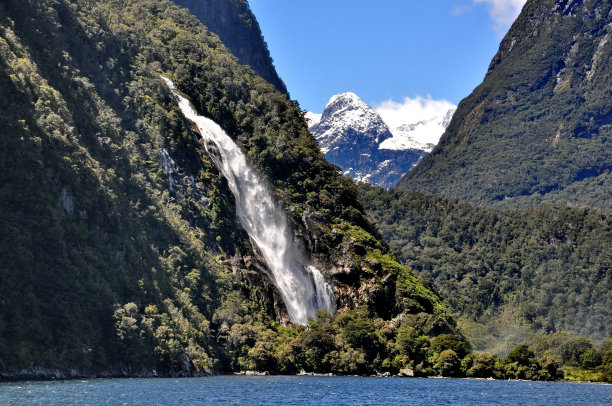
point(302, 286)
point(300, 390)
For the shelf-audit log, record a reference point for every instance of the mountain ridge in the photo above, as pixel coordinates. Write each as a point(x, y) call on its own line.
point(539, 122)
point(239, 30)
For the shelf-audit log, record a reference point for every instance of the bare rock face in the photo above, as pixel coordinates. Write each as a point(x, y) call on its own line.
point(179, 181)
point(355, 280)
point(406, 373)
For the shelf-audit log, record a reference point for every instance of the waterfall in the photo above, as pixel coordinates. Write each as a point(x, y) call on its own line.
point(300, 284)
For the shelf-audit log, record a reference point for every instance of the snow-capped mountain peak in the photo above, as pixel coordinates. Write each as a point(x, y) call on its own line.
point(344, 113)
point(355, 137)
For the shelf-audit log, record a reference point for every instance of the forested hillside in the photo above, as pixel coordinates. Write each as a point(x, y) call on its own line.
point(516, 273)
point(234, 23)
point(539, 127)
point(119, 246)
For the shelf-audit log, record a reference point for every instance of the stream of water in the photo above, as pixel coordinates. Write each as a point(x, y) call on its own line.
point(301, 285)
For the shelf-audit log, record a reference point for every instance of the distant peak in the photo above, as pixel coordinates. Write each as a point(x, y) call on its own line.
point(344, 96)
point(345, 99)
point(348, 110)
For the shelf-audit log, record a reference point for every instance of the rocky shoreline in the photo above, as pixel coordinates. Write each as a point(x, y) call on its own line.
point(38, 373)
point(34, 373)
point(52, 374)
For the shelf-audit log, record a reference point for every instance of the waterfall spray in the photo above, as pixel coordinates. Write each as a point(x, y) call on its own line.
point(301, 285)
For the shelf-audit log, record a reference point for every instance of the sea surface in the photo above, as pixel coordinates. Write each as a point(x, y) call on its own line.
point(300, 390)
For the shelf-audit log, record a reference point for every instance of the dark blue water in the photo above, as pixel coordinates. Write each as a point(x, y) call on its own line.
point(298, 390)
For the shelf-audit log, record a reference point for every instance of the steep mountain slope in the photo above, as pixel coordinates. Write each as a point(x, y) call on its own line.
point(351, 134)
point(529, 271)
point(539, 127)
point(234, 23)
point(120, 250)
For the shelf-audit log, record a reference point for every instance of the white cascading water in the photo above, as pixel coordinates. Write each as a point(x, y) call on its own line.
point(300, 284)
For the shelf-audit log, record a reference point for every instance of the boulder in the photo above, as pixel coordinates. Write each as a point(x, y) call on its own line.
point(406, 373)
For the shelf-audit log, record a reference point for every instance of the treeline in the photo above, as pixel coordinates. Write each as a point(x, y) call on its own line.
point(544, 269)
point(355, 343)
point(359, 343)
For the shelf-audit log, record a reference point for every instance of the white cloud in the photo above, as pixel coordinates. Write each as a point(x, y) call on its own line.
point(503, 12)
point(412, 110)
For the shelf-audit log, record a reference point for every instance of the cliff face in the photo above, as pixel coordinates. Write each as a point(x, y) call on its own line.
point(234, 22)
point(538, 129)
point(120, 245)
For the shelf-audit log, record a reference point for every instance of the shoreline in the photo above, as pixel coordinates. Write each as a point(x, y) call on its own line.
point(58, 374)
point(39, 374)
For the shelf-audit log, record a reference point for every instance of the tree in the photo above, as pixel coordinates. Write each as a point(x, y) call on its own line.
point(521, 354)
point(550, 370)
point(450, 342)
point(574, 350)
point(483, 366)
point(591, 358)
point(448, 364)
point(361, 334)
point(410, 344)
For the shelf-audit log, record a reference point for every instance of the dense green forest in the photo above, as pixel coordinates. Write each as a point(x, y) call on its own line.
point(539, 127)
point(509, 274)
point(120, 251)
point(234, 23)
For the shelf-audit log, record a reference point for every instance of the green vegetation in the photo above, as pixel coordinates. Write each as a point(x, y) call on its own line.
point(536, 133)
point(580, 358)
point(523, 272)
point(90, 234)
point(356, 343)
point(108, 263)
point(353, 342)
point(234, 23)
point(539, 127)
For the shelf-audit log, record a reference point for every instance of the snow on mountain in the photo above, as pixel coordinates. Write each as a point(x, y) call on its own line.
point(344, 114)
point(351, 133)
point(312, 118)
point(379, 146)
point(423, 134)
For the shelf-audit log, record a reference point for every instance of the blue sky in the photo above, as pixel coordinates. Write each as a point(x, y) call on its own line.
point(385, 51)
